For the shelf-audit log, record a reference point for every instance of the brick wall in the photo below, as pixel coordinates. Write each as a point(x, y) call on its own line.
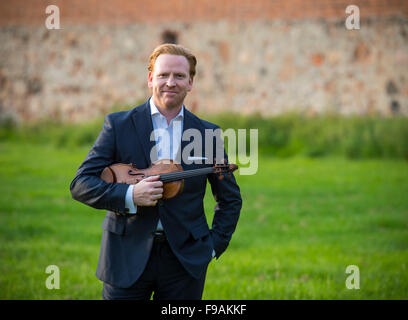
point(136, 11)
point(253, 56)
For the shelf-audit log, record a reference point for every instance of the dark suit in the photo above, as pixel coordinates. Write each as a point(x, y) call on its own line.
point(127, 239)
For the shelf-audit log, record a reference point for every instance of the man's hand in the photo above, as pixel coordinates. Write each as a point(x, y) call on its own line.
point(148, 191)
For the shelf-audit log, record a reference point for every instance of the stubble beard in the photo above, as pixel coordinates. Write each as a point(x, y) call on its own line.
point(174, 104)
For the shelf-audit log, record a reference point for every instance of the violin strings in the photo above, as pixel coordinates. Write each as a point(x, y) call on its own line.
point(178, 176)
point(167, 177)
point(189, 172)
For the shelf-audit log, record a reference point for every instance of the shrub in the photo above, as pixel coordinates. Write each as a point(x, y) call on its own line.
point(282, 136)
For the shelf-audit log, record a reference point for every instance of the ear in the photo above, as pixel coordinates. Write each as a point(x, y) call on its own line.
point(150, 80)
point(190, 83)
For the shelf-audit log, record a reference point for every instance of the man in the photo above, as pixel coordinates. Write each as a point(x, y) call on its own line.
point(151, 245)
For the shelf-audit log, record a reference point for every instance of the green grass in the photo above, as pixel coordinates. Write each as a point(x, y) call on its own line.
point(303, 221)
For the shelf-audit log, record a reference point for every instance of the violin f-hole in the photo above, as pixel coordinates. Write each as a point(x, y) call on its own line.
point(131, 173)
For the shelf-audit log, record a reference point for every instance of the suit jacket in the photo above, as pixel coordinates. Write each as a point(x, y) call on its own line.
point(128, 238)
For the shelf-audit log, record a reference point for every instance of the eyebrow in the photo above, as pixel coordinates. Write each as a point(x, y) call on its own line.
point(176, 73)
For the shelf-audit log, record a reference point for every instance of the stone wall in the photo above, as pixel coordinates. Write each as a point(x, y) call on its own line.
point(250, 59)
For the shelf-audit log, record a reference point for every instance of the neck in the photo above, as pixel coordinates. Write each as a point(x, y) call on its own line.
point(168, 112)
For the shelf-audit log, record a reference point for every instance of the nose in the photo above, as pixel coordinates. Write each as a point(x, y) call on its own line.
point(170, 81)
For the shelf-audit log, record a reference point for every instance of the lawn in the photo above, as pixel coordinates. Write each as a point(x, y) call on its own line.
point(303, 221)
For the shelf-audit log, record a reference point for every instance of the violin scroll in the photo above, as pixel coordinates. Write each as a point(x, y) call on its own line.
point(224, 169)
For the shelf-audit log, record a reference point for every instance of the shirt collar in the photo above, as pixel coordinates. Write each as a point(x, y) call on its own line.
point(154, 110)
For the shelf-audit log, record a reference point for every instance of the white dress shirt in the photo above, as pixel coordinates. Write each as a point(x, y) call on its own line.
point(168, 139)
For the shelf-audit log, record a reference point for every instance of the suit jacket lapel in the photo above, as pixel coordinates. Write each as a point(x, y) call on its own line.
point(188, 123)
point(144, 127)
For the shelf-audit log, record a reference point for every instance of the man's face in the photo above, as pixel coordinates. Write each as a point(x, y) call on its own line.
point(170, 81)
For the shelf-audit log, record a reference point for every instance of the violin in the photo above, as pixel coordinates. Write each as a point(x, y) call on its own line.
point(170, 172)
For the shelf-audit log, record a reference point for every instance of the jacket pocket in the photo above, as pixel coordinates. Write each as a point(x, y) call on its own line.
point(200, 231)
point(114, 224)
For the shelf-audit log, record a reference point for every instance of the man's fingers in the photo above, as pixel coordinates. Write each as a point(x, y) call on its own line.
point(156, 184)
point(156, 196)
point(157, 191)
point(152, 178)
point(154, 181)
point(148, 191)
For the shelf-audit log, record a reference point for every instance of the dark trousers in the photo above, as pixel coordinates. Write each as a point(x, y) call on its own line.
point(164, 276)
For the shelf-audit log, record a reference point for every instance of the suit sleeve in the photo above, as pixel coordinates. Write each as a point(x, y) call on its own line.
point(87, 186)
point(228, 199)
